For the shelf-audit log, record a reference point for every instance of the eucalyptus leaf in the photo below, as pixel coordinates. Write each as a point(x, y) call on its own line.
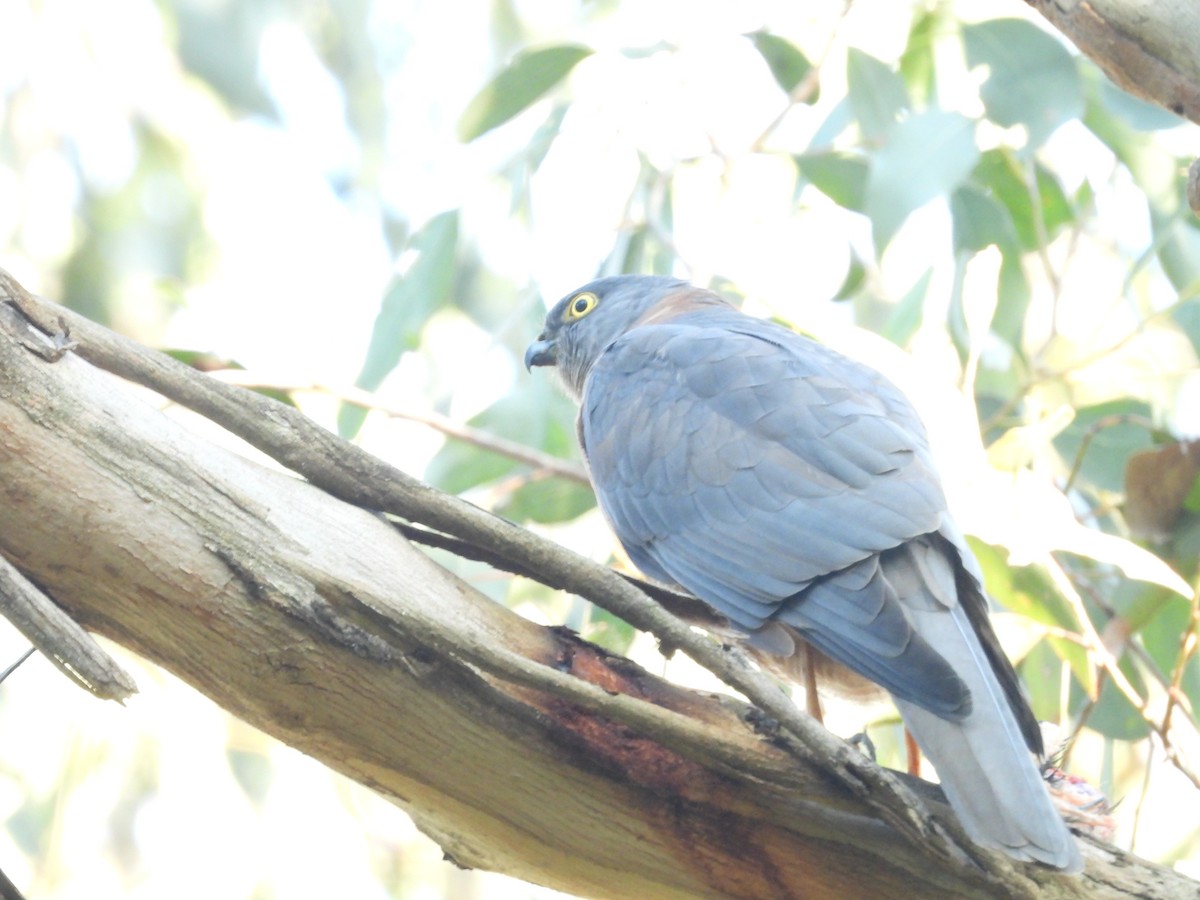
point(908, 313)
point(1178, 246)
point(787, 63)
point(926, 156)
point(917, 63)
point(1113, 431)
point(407, 305)
point(1138, 113)
point(534, 416)
point(529, 77)
point(876, 92)
point(1005, 178)
point(980, 221)
point(1114, 716)
point(1029, 591)
point(546, 501)
point(1032, 79)
point(1013, 296)
point(856, 276)
point(840, 118)
point(842, 177)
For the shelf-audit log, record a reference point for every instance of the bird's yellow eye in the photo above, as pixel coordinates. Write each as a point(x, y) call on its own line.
point(580, 306)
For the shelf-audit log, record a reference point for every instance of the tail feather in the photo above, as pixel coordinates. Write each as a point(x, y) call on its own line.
point(982, 760)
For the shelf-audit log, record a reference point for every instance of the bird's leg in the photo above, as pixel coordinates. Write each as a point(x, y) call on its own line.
point(812, 700)
point(913, 752)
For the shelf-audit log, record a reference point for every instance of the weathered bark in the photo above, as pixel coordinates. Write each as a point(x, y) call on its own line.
point(517, 747)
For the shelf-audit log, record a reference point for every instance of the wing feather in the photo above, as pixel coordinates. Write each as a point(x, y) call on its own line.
point(793, 490)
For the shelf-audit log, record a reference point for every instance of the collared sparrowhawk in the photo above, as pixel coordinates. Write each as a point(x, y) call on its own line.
point(792, 489)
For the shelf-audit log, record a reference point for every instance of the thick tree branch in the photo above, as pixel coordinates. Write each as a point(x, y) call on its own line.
point(519, 748)
point(351, 474)
point(1146, 48)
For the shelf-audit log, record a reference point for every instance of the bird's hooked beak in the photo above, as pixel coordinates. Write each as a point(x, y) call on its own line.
point(541, 352)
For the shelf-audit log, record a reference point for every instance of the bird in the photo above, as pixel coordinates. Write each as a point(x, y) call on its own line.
point(792, 489)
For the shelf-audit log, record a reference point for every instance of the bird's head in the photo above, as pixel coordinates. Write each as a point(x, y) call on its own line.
point(581, 325)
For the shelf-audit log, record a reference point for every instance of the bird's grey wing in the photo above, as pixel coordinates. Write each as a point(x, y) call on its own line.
point(766, 474)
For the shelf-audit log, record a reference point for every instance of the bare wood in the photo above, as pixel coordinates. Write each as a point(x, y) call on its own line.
point(517, 747)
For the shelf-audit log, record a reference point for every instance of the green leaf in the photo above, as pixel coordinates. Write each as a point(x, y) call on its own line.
point(876, 92)
point(917, 63)
point(1041, 674)
point(907, 315)
point(1032, 78)
point(787, 63)
point(1003, 177)
point(221, 44)
point(1187, 317)
point(839, 119)
point(1014, 295)
point(842, 177)
point(1110, 443)
point(979, 221)
point(407, 305)
point(1178, 245)
point(1142, 604)
point(927, 155)
point(1138, 113)
point(547, 501)
point(1161, 638)
point(1029, 591)
point(856, 275)
point(610, 632)
point(204, 361)
point(1113, 715)
point(530, 75)
point(533, 416)
point(458, 467)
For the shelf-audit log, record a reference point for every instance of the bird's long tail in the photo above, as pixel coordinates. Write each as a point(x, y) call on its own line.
point(985, 768)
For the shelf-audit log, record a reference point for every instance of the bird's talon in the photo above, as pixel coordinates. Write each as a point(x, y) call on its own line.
point(864, 744)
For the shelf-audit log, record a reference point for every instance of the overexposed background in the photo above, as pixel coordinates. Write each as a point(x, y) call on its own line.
point(965, 203)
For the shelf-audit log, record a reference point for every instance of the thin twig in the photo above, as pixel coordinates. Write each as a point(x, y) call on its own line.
point(476, 437)
point(1110, 668)
point(63, 641)
point(1043, 239)
point(16, 665)
point(1142, 796)
point(1094, 429)
point(1187, 646)
point(807, 85)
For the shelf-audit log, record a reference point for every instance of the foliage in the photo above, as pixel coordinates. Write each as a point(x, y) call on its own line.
point(973, 192)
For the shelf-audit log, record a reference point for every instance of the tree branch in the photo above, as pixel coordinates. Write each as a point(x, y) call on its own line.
point(519, 748)
point(477, 437)
point(351, 474)
point(1145, 48)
